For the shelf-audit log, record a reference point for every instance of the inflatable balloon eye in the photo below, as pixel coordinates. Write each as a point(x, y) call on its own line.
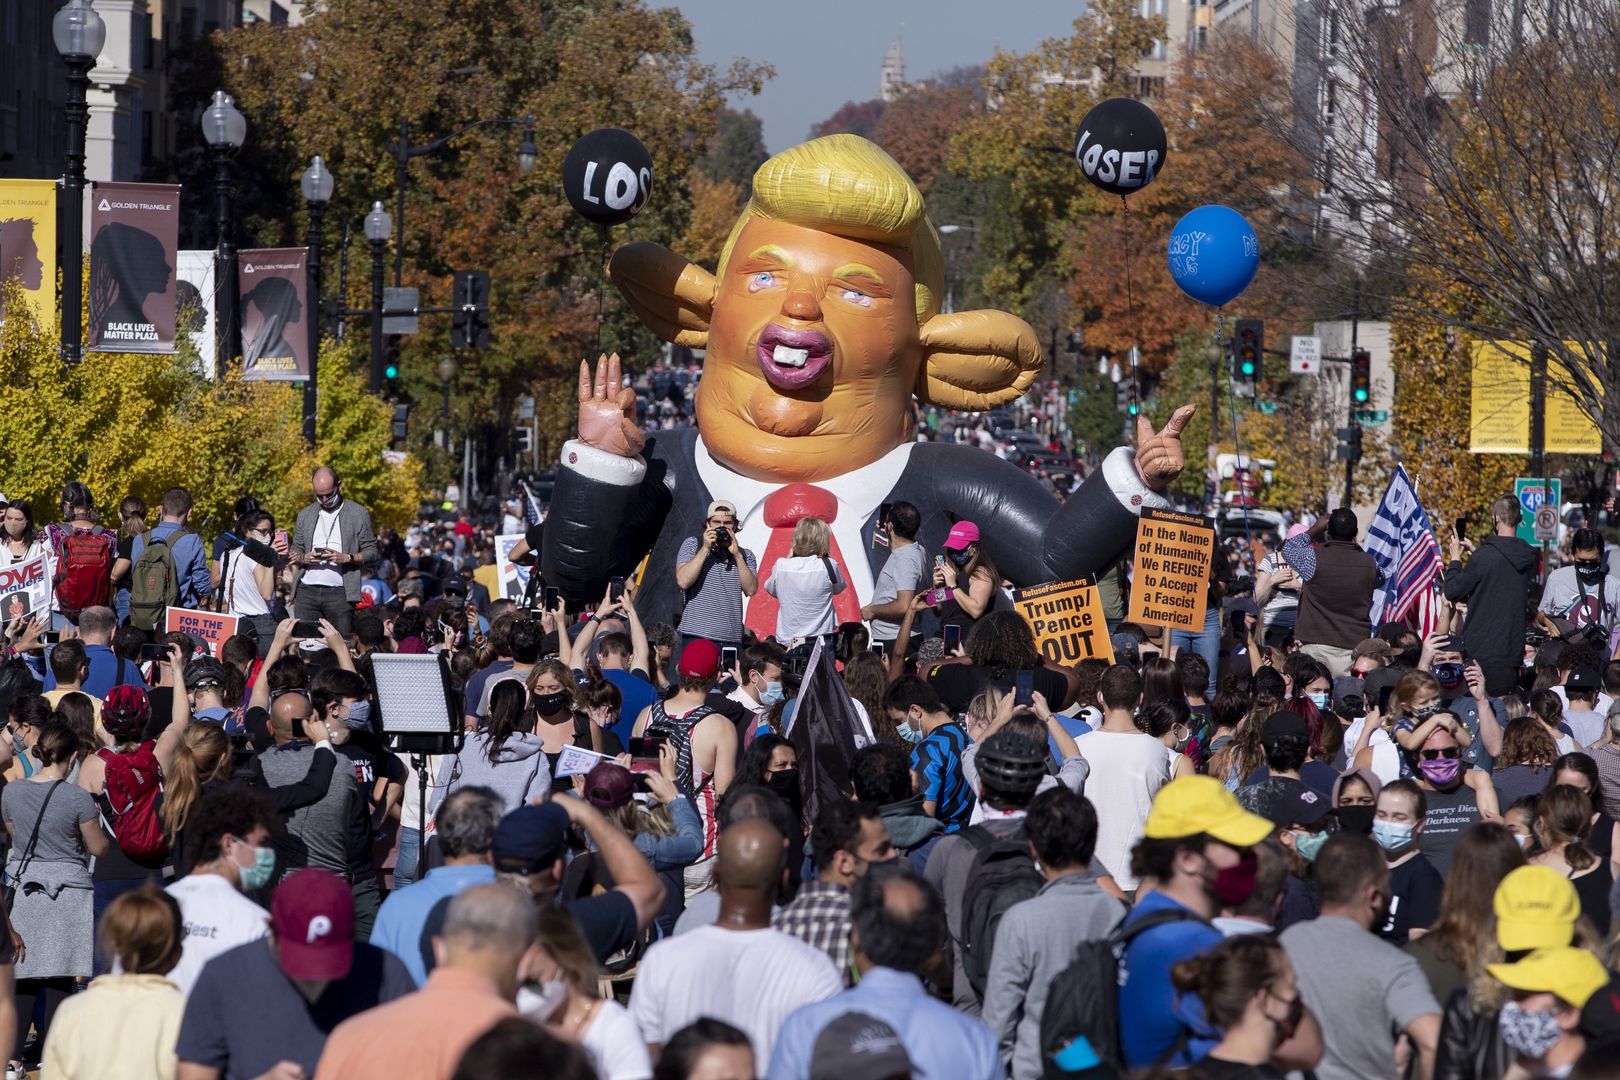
point(608, 176)
point(1120, 146)
point(1213, 254)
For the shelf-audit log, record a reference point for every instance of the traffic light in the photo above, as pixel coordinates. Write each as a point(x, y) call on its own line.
point(1349, 448)
point(1248, 350)
point(469, 323)
point(1123, 401)
point(524, 438)
point(391, 383)
point(1360, 377)
point(401, 415)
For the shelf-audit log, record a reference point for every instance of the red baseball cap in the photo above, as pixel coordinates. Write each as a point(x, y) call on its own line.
point(961, 535)
point(313, 913)
point(700, 659)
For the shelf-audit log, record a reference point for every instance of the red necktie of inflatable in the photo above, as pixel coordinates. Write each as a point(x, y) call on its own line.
point(785, 508)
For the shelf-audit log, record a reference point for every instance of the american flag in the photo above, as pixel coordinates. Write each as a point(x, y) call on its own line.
point(1408, 556)
point(532, 514)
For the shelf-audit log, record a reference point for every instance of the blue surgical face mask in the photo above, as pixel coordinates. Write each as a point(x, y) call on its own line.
point(257, 876)
point(1392, 836)
point(912, 735)
point(772, 693)
point(360, 714)
point(1309, 845)
point(1320, 700)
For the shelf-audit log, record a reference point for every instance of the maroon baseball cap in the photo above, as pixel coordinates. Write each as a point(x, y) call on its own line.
point(609, 785)
point(313, 913)
point(700, 659)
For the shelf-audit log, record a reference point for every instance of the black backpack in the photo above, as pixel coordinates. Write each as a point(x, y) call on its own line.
point(1083, 999)
point(1002, 874)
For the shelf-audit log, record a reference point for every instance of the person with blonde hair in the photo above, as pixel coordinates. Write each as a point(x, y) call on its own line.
point(804, 585)
point(566, 998)
point(125, 1025)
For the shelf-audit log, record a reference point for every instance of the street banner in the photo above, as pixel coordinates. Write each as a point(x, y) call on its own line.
point(514, 578)
point(25, 589)
point(1067, 620)
point(28, 243)
point(1170, 586)
point(275, 312)
point(134, 245)
point(195, 305)
point(1499, 400)
point(209, 627)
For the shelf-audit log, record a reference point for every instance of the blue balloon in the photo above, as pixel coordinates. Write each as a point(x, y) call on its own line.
point(1213, 254)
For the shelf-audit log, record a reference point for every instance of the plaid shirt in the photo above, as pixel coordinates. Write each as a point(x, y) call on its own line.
point(819, 916)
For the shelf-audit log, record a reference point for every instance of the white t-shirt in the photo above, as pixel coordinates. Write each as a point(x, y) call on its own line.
point(1127, 770)
point(328, 535)
point(615, 1045)
point(215, 918)
point(752, 979)
point(804, 591)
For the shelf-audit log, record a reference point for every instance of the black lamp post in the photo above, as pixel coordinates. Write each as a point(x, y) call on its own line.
point(317, 187)
point(378, 226)
point(225, 129)
point(403, 151)
point(79, 34)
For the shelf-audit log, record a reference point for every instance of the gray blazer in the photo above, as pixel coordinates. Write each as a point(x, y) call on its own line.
point(354, 529)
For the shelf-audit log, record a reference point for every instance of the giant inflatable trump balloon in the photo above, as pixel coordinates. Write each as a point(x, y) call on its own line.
point(821, 326)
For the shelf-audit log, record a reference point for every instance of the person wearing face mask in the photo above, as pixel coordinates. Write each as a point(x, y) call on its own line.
point(1457, 796)
point(759, 685)
point(564, 996)
point(1248, 990)
point(937, 741)
point(1581, 600)
point(487, 949)
point(332, 543)
point(968, 577)
point(1196, 849)
point(1355, 800)
point(228, 830)
point(19, 540)
point(1418, 713)
point(1303, 822)
point(560, 720)
point(1541, 1024)
point(848, 839)
point(1414, 884)
point(246, 585)
point(772, 761)
point(1363, 991)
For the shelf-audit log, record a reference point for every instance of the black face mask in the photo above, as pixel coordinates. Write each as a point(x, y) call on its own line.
point(786, 784)
point(960, 558)
point(550, 704)
point(1589, 571)
point(1356, 819)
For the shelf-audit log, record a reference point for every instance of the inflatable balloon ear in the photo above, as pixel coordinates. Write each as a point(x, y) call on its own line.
point(1120, 146)
point(608, 176)
point(1213, 254)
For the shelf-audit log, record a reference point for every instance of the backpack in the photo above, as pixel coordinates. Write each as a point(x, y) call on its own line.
point(83, 571)
point(1083, 999)
point(1002, 874)
point(154, 583)
point(133, 784)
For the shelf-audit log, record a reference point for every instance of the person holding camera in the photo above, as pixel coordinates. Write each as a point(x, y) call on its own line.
point(332, 542)
point(1581, 601)
point(715, 574)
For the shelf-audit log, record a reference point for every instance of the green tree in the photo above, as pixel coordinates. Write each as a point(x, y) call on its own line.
point(736, 149)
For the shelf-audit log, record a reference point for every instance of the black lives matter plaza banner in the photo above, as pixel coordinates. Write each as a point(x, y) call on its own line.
point(274, 285)
point(134, 235)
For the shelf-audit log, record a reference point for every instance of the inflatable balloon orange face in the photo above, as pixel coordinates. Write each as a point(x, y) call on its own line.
point(822, 322)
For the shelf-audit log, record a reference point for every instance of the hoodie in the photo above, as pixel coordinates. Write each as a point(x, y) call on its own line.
point(911, 830)
point(520, 772)
point(1495, 584)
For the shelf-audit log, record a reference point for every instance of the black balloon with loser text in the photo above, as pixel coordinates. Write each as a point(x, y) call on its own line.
point(1120, 146)
point(608, 176)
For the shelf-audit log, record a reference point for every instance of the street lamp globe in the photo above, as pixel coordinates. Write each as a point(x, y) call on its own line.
point(316, 182)
point(379, 226)
point(528, 153)
point(222, 124)
point(78, 30)
point(446, 369)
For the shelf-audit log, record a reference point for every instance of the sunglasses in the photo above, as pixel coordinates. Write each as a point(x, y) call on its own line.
point(1433, 755)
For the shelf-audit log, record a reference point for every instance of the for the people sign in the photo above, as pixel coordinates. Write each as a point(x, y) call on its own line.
point(1067, 620)
point(1170, 585)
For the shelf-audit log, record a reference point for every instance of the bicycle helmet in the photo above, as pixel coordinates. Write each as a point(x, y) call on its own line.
point(1011, 764)
point(125, 712)
point(204, 671)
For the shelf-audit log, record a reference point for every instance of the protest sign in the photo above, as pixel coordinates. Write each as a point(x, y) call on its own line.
point(25, 589)
point(577, 761)
point(514, 578)
point(1067, 620)
point(1171, 584)
point(209, 627)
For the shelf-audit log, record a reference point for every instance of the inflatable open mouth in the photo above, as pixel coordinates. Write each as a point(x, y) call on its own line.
point(793, 359)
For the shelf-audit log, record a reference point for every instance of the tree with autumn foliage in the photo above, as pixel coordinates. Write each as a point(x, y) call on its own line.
point(341, 84)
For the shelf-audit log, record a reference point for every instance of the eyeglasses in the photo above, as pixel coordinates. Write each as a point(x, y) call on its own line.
point(1449, 752)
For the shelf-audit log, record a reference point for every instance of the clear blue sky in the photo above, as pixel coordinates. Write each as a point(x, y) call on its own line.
point(829, 52)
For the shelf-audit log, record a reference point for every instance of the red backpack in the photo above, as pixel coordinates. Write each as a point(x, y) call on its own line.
point(133, 784)
point(83, 571)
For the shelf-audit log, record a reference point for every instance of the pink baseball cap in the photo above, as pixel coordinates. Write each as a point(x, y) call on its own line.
point(313, 913)
point(961, 535)
point(1296, 529)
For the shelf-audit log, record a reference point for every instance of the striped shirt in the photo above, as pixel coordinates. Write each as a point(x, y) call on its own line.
point(714, 606)
point(937, 761)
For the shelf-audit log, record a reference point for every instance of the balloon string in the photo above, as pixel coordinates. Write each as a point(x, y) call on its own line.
point(1237, 446)
point(601, 288)
point(1135, 353)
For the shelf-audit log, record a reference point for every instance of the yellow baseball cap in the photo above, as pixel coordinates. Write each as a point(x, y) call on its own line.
point(1201, 804)
point(1573, 974)
point(1536, 908)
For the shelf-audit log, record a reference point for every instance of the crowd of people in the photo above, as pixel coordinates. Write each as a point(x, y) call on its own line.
point(903, 844)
